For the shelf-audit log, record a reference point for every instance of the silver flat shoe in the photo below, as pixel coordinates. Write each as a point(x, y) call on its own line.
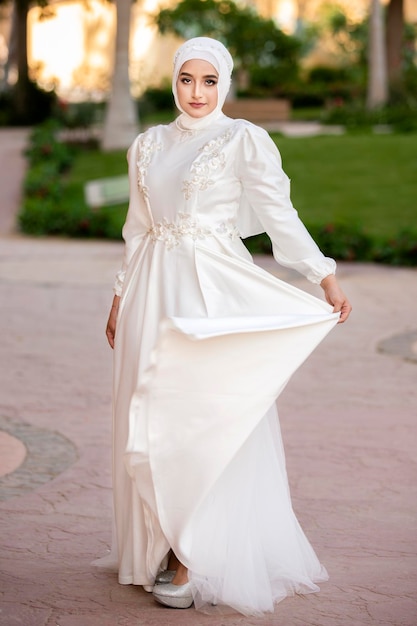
point(165, 577)
point(175, 596)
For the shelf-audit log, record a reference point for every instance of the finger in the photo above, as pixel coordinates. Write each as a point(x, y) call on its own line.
point(344, 314)
point(337, 305)
point(110, 337)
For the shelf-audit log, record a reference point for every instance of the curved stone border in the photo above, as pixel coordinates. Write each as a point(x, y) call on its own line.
point(12, 452)
point(48, 454)
point(404, 345)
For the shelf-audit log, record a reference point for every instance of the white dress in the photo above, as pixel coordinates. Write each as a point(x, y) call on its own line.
point(205, 343)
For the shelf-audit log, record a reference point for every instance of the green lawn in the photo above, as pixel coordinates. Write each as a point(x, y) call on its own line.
point(94, 164)
point(366, 180)
point(89, 165)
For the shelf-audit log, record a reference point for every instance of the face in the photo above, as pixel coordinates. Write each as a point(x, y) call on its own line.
point(197, 88)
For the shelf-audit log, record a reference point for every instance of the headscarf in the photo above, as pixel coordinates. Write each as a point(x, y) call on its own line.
point(205, 49)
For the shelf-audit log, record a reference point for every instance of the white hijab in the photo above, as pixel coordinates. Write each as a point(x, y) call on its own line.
point(205, 49)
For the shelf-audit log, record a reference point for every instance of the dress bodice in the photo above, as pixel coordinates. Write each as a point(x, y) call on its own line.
point(190, 172)
point(218, 183)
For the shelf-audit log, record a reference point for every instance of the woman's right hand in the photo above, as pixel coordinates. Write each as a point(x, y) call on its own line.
point(111, 322)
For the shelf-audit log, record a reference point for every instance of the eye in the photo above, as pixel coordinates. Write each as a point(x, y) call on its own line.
point(185, 80)
point(211, 81)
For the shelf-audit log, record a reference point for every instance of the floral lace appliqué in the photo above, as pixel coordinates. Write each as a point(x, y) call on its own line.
point(210, 160)
point(171, 233)
point(146, 148)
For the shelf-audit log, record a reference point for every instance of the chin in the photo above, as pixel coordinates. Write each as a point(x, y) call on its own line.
point(198, 113)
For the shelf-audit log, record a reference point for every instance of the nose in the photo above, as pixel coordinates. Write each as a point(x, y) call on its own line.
point(196, 90)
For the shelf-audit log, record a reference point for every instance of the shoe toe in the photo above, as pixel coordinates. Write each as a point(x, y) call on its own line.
point(165, 577)
point(175, 596)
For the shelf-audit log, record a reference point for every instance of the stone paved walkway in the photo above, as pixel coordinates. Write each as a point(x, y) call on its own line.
point(349, 427)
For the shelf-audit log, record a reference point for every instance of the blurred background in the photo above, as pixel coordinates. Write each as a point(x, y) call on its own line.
point(334, 82)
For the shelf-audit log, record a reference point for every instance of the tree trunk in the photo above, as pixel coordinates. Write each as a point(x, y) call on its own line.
point(120, 124)
point(395, 36)
point(21, 92)
point(11, 51)
point(377, 64)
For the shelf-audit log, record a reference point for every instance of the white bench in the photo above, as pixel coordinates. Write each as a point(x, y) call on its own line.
point(106, 191)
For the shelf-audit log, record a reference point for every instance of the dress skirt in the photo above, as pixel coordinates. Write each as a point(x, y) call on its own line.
point(206, 341)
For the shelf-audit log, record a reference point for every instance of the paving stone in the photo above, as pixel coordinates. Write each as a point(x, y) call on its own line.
point(349, 426)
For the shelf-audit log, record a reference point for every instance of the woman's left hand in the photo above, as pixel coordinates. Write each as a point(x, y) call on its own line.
point(335, 296)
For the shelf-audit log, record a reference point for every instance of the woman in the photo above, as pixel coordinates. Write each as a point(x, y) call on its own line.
point(204, 343)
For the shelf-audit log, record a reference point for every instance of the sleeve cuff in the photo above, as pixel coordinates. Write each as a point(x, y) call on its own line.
point(316, 275)
point(118, 283)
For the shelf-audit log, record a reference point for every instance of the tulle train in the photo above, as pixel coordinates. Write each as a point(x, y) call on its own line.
point(248, 549)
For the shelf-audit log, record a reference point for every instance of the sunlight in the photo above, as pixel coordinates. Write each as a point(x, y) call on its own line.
point(286, 16)
point(56, 44)
point(72, 51)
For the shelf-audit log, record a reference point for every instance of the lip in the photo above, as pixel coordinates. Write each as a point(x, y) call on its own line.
point(197, 105)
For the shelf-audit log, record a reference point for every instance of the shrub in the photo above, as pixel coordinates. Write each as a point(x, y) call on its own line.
point(399, 250)
point(39, 106)
point(78, 114)
point(46, 216)
point(401, 117)
point(341, 241)
point(42, 181)
point(155, 100)
point(6, 106)
point(45, 147)
point(42, 211)
point(345, 242)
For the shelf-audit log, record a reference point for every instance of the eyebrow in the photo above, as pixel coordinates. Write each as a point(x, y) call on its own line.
point(207, 75)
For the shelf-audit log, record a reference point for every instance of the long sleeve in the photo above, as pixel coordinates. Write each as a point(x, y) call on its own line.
point(266, 188)
point(133, 229)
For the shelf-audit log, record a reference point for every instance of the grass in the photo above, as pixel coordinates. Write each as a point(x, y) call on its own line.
point(366, 180)
point(306, 114)
point(89, 165)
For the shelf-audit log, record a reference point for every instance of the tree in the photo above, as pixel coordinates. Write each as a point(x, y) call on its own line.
point(395, 39)
point(255, 43)
point(377, 94)
point(121, 123)
point(24, 90)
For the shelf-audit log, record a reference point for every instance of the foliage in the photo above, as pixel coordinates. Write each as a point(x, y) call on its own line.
point(401, 117)
point(345, 242)
point(349, 38)
point(78, 114)
point(44, 146)
point(53, 201)
point(409, 49)
point(155, 100)
point(6, 108)
point(30, 105)
point(322, 85)
point(350, 242)
point(399, 250)
point(42, 181)
point(254, 42)
point(41, 106)
point(346, 45)
point(48, 158)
